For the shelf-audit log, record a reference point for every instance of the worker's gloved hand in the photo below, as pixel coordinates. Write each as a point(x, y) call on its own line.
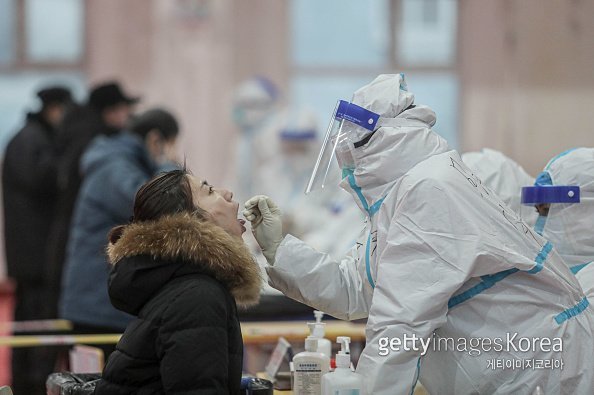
point(267, 226)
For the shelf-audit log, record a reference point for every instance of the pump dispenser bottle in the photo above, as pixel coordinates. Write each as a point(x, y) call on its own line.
point(310, 367)
point(343, 381)
point(318, 330)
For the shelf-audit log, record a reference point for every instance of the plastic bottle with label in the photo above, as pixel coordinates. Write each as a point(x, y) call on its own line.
point(343, 381)
point(310, 367)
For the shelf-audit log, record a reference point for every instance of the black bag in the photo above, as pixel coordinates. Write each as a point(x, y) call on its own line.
point(72, 384)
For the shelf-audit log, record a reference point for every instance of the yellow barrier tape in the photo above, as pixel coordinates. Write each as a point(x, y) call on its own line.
point(58, 340)
point(36, 326)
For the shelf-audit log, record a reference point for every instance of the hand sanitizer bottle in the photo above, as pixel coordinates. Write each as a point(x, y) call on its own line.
point(310, 367)
point(318, 330)
point(343, 381)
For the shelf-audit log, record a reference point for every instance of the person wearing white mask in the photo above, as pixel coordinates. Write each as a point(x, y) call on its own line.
point(283, 178)
point(442, 257)
point(563, 194)
point(504, 176)
point(255, 104)
point(304, 216)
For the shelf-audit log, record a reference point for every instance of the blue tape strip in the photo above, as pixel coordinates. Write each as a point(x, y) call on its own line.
point(367, 264)
point(575, 269)
point(541, 258)
point(540, 224)
point(357, 190)
point(370, 210)
point(490, 280)
point(561, 155)
point(376, 206)
point(573, 311)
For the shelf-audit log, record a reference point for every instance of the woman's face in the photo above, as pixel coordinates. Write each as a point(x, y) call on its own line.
point(219, 204)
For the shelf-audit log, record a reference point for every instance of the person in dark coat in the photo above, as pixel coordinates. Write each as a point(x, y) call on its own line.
point(29, 189)
point(106, 113)
point(181, 268)
point(113, 169)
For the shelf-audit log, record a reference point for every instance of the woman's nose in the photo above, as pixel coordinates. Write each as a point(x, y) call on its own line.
point(227, 195)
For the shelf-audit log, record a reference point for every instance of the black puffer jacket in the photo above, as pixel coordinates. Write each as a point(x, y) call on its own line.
point(182, 278)
point(29, 187)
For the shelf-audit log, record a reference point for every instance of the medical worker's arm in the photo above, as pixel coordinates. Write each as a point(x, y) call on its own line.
point(304, 274)
point(417, 273)
point(314, 278)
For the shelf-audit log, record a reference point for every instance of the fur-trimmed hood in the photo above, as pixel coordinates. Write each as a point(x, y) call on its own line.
point(198, 244)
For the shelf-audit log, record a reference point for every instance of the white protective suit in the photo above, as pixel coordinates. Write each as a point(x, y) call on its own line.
point(255, 103)
point(504, 176)
point(569, 226)
point(441, 253)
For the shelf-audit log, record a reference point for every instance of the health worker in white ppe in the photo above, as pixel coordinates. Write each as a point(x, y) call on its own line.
point(255, 104)
point(504, 176)
point(295, 133)
point(564, 197)
point(309, 217)
point(443, 259)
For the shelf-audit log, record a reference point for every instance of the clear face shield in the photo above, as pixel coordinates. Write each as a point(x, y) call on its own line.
point(543, 196)
point(350, 124)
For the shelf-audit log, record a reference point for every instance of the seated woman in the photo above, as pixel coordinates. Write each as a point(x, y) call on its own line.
point(180, 267)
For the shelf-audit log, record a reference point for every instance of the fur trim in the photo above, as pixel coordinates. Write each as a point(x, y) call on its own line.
point(200, 242)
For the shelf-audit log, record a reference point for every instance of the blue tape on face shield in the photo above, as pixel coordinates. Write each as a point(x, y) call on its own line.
point(350, 124)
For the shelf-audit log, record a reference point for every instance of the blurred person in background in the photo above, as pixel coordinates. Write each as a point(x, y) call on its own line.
point(113, 169)
point(313, 217)
point(106, 113)
point(182, 269)
point(29, 184)
point(284, 175)
point(504, 176)
point(255, 104)
point(563, 194)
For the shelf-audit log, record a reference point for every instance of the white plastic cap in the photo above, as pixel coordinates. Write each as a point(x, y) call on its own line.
point(344, 342)
point(319, 315)
point(311, 344)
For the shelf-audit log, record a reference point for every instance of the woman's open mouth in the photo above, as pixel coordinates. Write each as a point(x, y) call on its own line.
point(242, 223)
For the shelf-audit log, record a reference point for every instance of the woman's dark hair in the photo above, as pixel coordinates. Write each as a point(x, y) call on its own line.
point(155, 119)
point(166, 194)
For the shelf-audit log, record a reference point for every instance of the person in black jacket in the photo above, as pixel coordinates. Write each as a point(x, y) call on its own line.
point(114, 168)
point(29, 191)
point(180, 267)
point(106, 113)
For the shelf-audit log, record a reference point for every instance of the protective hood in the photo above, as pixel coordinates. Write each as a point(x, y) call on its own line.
point(149, 254)
point(569, 226)
point(505, 177)
point(253, 102)
point(104, 149)
point(403, 140)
